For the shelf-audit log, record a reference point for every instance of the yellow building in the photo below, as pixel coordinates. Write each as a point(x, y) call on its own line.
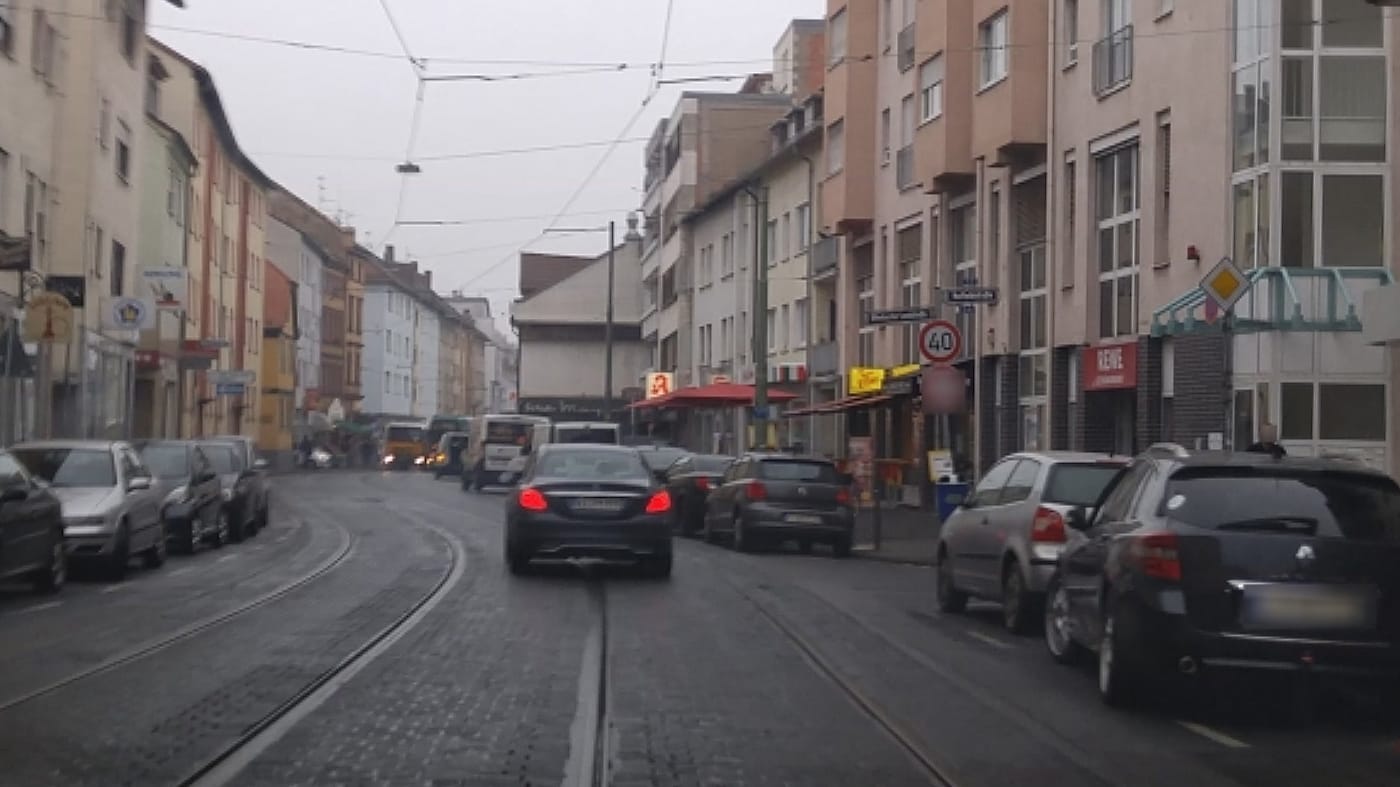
point(278, 353)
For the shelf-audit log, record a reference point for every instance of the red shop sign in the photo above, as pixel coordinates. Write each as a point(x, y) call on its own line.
point(1111, 367)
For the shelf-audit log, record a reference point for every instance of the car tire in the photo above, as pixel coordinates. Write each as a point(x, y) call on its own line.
point(657, 567)
point(237, 531)
point(154, 556)
point(264, 516)
point(841, 547)
point(741, 541)
point(51, 577)
point(1120, 677)
point(221, 531)
point(707, 533)
point(1058, 640)
point(185, 540)
point(120, 559)
point(950, 599)
point(518, 562)
point(1019, 610)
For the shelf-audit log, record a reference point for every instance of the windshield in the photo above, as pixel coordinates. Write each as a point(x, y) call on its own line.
point(591, 465)
point(710, 463)
point(512, 432)
point(586, 434)
point(223, 459)
point(70, 467)
point(789, 470)
point(661, 458)
point(167, 460)
point(1341, 505)
point(404, 434)
point(1078, 485)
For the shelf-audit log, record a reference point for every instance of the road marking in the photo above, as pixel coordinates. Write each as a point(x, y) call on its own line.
point(114, 588)
point(39, 607)
point(225, 557)
point(1214, 735)
point(177, 572)
point(993, 641)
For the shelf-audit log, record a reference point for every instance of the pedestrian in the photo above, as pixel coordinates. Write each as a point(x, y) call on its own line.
point(304, 450)
point(1268, 442)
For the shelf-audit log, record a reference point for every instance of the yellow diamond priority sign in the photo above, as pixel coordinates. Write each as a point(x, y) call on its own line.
point(1225, 284)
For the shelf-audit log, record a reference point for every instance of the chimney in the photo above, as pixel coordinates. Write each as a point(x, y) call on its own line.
point(428, 278)
point(389, 253)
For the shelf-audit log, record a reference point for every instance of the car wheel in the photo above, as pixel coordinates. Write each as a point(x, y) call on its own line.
point(707, 532)
point(1018, 612)
point(1058, 640)
point(517, 561)
point(51, 577)
point(950, 599)
point(1120, 682)
point(120, 559)
point(657, 567)
point(237, 531)
point(185, 541)
point(154, 556)
point(264, 516)
point(741, 540)
point(220, 534)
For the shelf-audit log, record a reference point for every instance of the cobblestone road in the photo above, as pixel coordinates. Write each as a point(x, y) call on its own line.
point(742, 670)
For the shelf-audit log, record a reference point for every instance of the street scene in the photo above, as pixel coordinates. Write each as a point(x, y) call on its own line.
point(682, 392)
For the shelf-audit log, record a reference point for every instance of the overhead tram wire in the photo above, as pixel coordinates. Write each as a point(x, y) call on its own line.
point(419, 72)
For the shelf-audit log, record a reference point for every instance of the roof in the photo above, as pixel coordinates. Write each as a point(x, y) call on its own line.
point(539, 272)
point(1248, 459)
point(1072, 456)
point(181, 144)
point(95, 444)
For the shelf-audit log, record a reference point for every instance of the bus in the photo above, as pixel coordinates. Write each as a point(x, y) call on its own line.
point(440, 425)
point(496, 440)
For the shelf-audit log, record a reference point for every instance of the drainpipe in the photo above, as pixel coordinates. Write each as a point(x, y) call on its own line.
point(1052, 178)
point(807, 277)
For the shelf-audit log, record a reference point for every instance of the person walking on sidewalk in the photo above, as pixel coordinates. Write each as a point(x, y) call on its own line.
point(1268, 442)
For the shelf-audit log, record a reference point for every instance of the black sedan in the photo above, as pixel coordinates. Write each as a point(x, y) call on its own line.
point(689, 480)
point(1221, 563)
point(31, 529)
point(588, 501)
point(238, 485)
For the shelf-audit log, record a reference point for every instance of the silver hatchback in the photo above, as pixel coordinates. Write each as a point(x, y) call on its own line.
point(1002, 544)
point(111, 512)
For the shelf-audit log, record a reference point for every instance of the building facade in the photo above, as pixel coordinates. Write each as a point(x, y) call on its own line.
point(277, 377)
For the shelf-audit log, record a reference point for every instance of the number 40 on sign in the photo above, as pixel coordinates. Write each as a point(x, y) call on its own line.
point(940, 341)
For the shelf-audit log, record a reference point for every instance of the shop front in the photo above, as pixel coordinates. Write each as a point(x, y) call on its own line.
point(1110, 386)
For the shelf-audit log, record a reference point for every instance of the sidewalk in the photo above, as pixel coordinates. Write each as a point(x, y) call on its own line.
point(908, 535)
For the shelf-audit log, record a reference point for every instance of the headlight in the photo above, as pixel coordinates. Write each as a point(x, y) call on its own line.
point(418, 461)
point(388, 460)
point(85, 520)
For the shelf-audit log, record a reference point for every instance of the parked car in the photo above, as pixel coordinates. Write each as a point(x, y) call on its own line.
point(1222, 562)
point(689, 480)
point(769, 498)
point(446, 458)
point(256, 478)
point(31, 529)
point(598, 501)
point(236, 491)
point(189, 491)
point(660, 457)
point(110, 510)
point(1003, 542)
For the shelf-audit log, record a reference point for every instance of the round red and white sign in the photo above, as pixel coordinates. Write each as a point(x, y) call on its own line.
point(940, 341)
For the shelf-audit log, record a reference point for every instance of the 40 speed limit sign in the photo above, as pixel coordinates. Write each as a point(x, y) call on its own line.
point(940, 341)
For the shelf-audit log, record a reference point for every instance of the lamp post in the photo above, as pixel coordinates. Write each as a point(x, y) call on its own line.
point(759, 195)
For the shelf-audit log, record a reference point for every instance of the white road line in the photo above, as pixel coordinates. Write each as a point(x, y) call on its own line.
point(177, 572)
point(993, 641)
point(39, 607)
point(1214, 735)
point(114, 588)
point(225, 557)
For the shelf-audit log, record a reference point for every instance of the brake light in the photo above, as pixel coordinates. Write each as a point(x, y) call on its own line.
point(843, 496)
point(1156, 555)
point(1048, 527)
point(532, 500)
point(659, 503)
point(756, 491)
point(702, 483)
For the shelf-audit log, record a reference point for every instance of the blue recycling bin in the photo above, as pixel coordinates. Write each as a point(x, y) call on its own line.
point(947, 497)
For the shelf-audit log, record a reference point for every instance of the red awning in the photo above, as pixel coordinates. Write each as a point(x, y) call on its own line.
point(713, 395)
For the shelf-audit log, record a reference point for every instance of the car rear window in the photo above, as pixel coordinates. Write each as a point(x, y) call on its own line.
point(592, 466)
point(1078, 484)
point(513, 432)
point(587, 435)
point(405, 434)
point(1344, 505)
point(790, 470)
point(712, 464)
point(661, 458)
point(70, 467)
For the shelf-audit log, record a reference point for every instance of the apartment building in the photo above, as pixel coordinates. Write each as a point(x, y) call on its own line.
point(302, 261)
point(491, 366)
point(391, 356)
point(277, 376)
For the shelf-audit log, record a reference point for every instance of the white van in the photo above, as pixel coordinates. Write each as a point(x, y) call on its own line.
point(596, 432)
point(497, 440)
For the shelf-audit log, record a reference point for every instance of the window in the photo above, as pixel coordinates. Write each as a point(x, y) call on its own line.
point(104, 124)
point(835, 147)
point(785, 237)
point(43, 47)
point(1071, 188)
point(1034, 346)
point(993, 235)
point(886, 132)
point(963, 245)
point(931, 89)
point(991, 41)
point(97, 250)
point(118, 268)
point(4, 187)
point(123, 159)
point(772, 240)
point(800, 322)
point(1164, 191)
point(783, 324)
point(131, 29)
point(865, 297)
point(1117, 200)
point(1347, 228)
point(772, 329)
point(909, 248)
point(836, 38)
point(1069, 15)
point(1334, 80)
point(1113, 53)
point(804, 226)
point(7, 31)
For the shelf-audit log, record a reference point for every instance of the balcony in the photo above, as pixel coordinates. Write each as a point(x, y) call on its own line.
point(905, 46)
point(1113, 60)
point(824, 359)
point(823, 258)
point(904, 174)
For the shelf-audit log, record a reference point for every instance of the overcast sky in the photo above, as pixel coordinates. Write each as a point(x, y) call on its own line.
point(330, 126)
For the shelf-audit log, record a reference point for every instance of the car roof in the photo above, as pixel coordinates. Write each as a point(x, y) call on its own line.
point(621, 450)
point(162, 441)
point(91, 444)
point(1085, 457)
point(765, 456)
point(1242, 459)
point(588, 424)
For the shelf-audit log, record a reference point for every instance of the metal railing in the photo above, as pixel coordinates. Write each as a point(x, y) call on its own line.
point(824, 358)
point(905, 46)
point(1113, 60)
point(824, 256)
point(904, 167)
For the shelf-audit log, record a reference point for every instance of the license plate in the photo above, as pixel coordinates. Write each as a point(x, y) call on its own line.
point(597, 504)
point(1308, 607)
point(804, 519)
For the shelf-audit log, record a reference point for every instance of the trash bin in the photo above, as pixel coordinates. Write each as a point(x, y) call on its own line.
point(947, 497)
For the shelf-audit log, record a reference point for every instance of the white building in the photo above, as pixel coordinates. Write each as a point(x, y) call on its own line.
point(298, 257)
point(389, 350)
point(426, 367)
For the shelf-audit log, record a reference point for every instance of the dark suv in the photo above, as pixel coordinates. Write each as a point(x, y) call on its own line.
point(1219, 562)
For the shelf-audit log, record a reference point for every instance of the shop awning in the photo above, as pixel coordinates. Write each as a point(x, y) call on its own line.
point(712, 395)
point(848, 403)
point(1281, 299)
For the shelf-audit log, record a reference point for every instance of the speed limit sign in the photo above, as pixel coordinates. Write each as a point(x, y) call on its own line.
point(940, 341)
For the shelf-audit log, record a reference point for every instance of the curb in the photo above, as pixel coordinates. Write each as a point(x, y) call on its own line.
point(869, 553)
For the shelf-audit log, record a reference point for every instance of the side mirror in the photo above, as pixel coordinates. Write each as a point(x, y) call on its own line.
point(260, 464)
point(13, 494)
point(138, 483)
point(1078, 518)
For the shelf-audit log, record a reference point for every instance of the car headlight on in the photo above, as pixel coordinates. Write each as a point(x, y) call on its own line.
point(389, 459)
point(418, 461)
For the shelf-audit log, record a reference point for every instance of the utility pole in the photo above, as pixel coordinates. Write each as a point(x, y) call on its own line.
point(608, 326)
point(760, 315)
